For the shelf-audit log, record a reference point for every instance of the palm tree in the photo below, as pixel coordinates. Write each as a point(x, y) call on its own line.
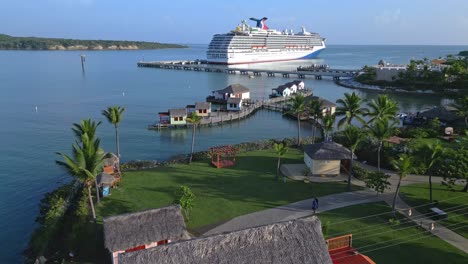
point(380, 129)
point(461, 107)
point(114, 116)
point(194, 119)
point(86, 126)
point(383, 108)
point(328, 122)
point(353, 136)
point(85, 163)
point(297, 109)
point(350, 108)
point(403, 166)
point(432, 153)
point(280, 151)
point(316, 111)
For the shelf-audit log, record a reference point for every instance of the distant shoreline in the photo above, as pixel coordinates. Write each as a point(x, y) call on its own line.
point(33, 43)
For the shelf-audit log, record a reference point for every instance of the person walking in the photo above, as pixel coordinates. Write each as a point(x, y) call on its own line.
point(315, 204)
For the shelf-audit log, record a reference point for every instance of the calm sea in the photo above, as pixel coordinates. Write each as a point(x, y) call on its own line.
point(53, 82)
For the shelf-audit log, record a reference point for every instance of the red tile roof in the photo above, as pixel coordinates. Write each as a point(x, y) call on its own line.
point(348, 255)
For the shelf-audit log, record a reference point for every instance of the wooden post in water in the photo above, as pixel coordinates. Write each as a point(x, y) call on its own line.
point(83, 59)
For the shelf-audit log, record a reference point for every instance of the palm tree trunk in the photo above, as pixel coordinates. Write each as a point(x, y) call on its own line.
point(314, 126)
point(91, 202)
point(378, 156)
point(430, 188)
point(298, 130)
point(350, 171)
point(193, 143)
point(98, 199)
point(117, 141)
point(278, 168)
point(394, 198)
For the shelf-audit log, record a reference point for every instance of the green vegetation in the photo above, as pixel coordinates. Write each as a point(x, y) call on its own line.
point(374, 236)
point(186, 199)
point(34, 43)
point(297, 108)
point(456, 207)
point(221, 193)
point(463, 53)
point(114, 115)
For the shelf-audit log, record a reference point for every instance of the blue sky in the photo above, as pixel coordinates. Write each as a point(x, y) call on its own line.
point(428, 22)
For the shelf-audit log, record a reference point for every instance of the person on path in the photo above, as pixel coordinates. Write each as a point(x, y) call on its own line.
point(315, 204)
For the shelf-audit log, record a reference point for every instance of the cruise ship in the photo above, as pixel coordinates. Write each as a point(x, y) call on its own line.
point(247, 44)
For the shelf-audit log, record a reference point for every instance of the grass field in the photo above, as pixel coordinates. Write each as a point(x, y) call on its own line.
point(456, 207)
point(221, 194)
point(376, 238)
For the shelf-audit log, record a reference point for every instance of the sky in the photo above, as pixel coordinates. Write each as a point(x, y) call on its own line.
point(355, 22)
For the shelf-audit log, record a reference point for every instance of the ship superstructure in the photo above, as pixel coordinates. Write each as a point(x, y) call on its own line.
point(248, 44)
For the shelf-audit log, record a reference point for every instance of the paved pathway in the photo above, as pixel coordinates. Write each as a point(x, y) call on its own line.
point(295, 210)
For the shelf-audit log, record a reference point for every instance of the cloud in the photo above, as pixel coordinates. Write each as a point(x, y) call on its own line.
point(388, 17)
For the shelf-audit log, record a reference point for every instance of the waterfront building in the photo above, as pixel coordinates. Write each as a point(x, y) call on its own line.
point(234, 90)
point(325, 158)
point(300, 84)
point(178, 116)
point(142, 230)
point(190, 109)
point(281, 91)
point(292, 87)
point(328, 107)
point(234, 104)
point(203, 108)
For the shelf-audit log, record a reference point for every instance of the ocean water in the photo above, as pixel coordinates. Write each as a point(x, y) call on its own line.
point(53, 81)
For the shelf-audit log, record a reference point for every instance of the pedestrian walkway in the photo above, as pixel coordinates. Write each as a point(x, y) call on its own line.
point(440, 231)
point(295, 210)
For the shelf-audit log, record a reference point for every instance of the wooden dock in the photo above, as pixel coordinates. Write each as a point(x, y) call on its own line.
point(336, 74)
point(219, 118)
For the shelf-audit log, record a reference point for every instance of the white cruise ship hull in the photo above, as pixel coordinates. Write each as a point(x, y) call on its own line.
point(245, 57)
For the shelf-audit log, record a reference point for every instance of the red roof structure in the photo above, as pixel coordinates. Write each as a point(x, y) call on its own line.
point(223, 156)
point(342, 252)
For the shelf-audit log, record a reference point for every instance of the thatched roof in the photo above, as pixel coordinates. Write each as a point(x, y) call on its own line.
point(327, 151)
point(105, 178)
point(111, 160)
point(130, 230)
point(178, 112)
point(202, 105)
point(234, 89)
point(291, 242)
point(441, 112)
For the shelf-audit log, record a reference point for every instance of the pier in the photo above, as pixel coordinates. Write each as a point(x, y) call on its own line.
point(335, 74)
point(219, 118)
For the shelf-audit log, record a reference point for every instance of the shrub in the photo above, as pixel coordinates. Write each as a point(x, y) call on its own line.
point(186, 199)
point(359, 172)
point(377, 181)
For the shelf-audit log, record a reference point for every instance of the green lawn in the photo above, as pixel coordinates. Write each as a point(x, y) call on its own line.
point(221, 194)
point(457, 207)
point(371, 233)
point(462, 141)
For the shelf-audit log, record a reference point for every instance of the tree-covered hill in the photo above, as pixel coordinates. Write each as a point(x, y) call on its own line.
point(33, 43)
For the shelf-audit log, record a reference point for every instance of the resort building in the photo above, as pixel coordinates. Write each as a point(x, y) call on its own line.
point(178, 116)
point(232, 91)
point(325, 158)
point(203, 108)
point(190, 109)
point(281, 91)
point(328, 108)
point(292, 87)
point(300, 84)
point(296, 241)
point(142, 230)
point(234, 104)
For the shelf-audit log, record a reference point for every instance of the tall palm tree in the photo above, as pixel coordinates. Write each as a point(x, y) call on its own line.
point(114, 116)
point(280, 151)
point(328, 121)
point(432, 153)
point(298, 108)
point(86, 126)
point(315, 109)
point(403, 166)
point(350, 107)
point(195, 120)
point(383, 108)
point(353, 136)
point(380, 129)
point(84, 164)
point(461, 107)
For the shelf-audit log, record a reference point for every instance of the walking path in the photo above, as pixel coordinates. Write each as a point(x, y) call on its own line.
point(295, 210)
point(335, 201)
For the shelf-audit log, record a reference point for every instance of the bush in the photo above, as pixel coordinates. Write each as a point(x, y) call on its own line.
point(377, 181)
point(359, 172)
point(186, 199)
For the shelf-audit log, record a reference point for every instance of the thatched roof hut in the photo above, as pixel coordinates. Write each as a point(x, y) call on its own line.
point(105, 179)
point(131, 230)
point(297, 241)
point(327, 151)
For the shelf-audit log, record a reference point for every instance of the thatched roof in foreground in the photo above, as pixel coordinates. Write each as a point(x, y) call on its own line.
point(130, 230)
point(327, 151)
point(291, 242)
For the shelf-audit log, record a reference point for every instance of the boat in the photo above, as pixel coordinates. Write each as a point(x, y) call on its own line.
point(246, 44)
